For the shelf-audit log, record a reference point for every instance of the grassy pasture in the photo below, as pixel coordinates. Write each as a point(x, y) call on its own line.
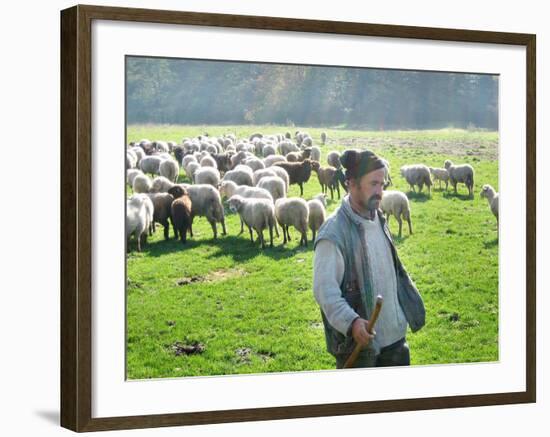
point(253, 310)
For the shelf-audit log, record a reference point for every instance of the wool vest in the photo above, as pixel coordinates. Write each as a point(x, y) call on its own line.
point(346, 231)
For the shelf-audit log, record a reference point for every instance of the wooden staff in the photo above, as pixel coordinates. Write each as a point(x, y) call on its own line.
point(370, 327)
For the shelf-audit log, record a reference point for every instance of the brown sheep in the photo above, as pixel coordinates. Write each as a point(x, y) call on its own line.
point(298, 172)
point(328, 179)
point(181, 212)
point(162, 203)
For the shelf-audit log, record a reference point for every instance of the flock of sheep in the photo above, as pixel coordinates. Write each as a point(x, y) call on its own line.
point(254, 175)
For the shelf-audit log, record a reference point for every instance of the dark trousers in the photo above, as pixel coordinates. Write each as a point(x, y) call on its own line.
point(396, 354)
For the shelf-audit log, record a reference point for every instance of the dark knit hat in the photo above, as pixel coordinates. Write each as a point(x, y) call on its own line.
point(360, 162)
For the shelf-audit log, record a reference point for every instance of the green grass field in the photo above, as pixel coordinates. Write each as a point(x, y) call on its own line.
point(253, 310)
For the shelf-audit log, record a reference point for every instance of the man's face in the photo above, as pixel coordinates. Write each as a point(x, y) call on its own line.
point(367, 192)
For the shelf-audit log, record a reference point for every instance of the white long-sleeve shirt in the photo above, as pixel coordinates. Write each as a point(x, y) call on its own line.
point(328, 272)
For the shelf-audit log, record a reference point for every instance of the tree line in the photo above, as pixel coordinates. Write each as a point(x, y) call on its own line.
point(179, 91)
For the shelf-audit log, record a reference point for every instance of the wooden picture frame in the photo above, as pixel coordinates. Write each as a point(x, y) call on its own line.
point(76, 217)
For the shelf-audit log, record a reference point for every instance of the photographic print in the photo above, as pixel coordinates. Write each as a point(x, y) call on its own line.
point(234, 169)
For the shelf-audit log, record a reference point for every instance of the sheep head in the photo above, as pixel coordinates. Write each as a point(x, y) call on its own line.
point(177, 191)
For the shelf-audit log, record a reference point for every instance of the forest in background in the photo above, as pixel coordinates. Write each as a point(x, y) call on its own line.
point(179, 91)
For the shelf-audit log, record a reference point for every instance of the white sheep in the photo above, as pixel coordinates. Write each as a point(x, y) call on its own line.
point(262, 173)
point(138, 151)
point(229, 189)
point(191, 169)
point(285, 147)
point(208, 161)
point(491, 195)
point(170, 169)
point(463, 173)
point(315, 153)
point(275, 185)
point(269, 150)
point(150, 164)
point(161, 185)
point(187, 159)
point(131, 159)
point(257, 214)
point(292, 211)
point(333, 159)
point(272, 159)
point(240, 177)
point(417, 174)
point(207, 175)
point(396, 203)
point(131, 175)
point(206, 202)
point(317, 213)
point(254, 163)
point(139, 218)
point(441, 175)
point(283, 174)
point(142, 184)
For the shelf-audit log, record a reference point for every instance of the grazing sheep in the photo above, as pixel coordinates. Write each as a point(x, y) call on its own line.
point(131, 159)
point(299, 156)
point(387, 178)
point(257, 214)
point(229, 189)
point(323, 138)
point(327, 179)
point(255, 135)
point(142, 184)
point(317, 213)
point(298, 172)
point(282, 173)
point(206, 202)
point(307, 141)
point(151, 164)
point(138, 151)
point(223, 161)
point(268, 150)
point(273, 159)
point(396, 203)
point(275, 185)
point(262, 173)
point(181, 210)
point(187, 159)
point(131, 175)
point(162, 203)
point(315, 153)
point(292, 211)
point(161, 185)
point(491, 195)
point(417, 174)
point(254, 163)
point(333, 159)
point(169, 169)
point(208, 161)
point(179, 153)
point(440, 174)
point(207, 175)
point(161, 146)
point(138, 218)
point(239, 157)
point(463, 173)
point(285, 147)
point(240, 177)
point(191, 169)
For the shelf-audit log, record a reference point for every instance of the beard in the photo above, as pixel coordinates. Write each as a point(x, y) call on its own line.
point(371, 202)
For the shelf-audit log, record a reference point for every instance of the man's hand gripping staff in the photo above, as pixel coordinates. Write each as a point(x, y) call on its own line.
point(363, 332)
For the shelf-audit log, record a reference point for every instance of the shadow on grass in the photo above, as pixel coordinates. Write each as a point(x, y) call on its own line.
point(418, 197)
point(451, 195)
point(240, 248)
